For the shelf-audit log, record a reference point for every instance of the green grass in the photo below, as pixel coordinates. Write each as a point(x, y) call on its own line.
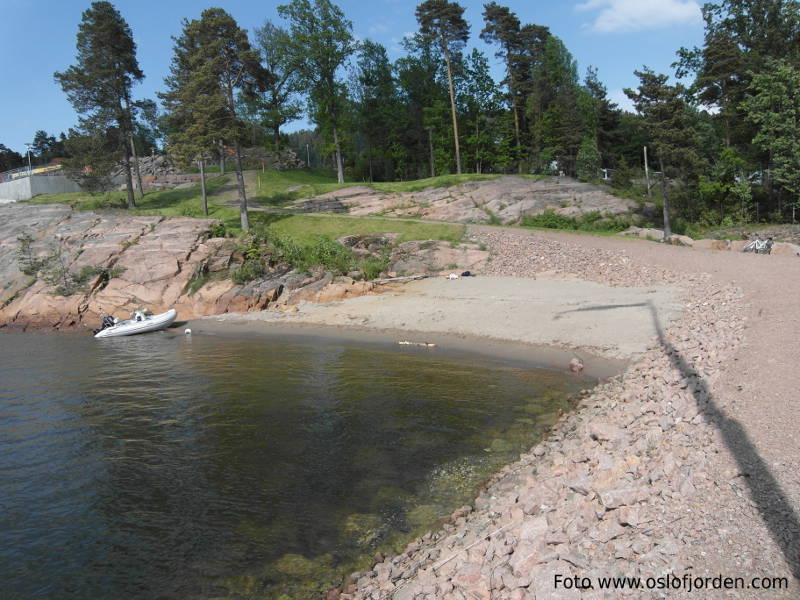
point(272, 189)
point(306, 229)
point(169, 203)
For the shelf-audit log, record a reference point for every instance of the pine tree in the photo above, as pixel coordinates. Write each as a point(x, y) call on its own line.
point(442, 22)
point(99, 85)
point(212, 60)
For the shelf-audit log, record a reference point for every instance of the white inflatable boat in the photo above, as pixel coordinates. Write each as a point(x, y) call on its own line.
point(141, 321)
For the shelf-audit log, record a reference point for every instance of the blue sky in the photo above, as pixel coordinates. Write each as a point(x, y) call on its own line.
point(616, 36)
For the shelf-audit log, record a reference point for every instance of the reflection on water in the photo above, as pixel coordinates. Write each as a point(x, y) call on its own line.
point(171, 467)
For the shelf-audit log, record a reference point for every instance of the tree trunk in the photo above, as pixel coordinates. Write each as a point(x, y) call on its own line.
point(202, 162)
point(453, 110)
point(667, 229)
point(242, 197)
point(128, 177)
point(338, 151)
point(136, 168)
point(430, 147)
point(221, 158)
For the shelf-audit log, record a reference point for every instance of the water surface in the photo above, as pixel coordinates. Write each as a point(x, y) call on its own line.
point(170, 466)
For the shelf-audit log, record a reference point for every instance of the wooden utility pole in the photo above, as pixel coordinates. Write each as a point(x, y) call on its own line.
point(202, 162)
point(136, 167)
point(430, 148)
point(665, 200)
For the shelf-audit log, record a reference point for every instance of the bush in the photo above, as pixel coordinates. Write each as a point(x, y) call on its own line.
point(592, 221)
point(249, 270)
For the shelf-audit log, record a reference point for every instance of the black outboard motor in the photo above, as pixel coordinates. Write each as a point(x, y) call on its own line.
point(108, 321)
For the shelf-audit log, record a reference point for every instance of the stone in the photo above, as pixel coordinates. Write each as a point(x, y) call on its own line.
point(604, 432)
point(576, 365)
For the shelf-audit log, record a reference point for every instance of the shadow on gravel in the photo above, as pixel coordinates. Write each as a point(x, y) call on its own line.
point(773, 505)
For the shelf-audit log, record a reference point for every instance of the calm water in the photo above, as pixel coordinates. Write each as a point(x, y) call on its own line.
point(163, 466)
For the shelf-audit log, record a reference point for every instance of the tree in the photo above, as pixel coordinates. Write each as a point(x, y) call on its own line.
point(774, 108)
point(376, 107)
point(9, 159)
point(212, 60)
point(99, 85)
point(320, 42)
point(556, 122)
point(503, 27)
point(279, 104)
point(587, 163)
point(482, 106)
point(442, 22)
point(670, 129)
point(605, 118)
point(423, 129)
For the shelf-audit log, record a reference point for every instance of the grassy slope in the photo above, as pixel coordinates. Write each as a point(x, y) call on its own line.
point(171, 203)
point(305, 229)
point(272, 190)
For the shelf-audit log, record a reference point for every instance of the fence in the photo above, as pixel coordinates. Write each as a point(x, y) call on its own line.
point(23, 172)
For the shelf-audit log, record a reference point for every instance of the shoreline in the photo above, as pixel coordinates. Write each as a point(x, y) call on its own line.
point(645, 478)
point(489, 351)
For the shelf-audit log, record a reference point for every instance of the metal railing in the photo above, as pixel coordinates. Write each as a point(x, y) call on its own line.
point(22, 172)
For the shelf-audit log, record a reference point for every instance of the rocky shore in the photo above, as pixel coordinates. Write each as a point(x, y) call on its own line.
point(651, 477)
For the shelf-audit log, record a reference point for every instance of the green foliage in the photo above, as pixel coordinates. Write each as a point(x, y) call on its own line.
point(99, 88)
point(592, 221)
point(212, 60)
point(53, 267)
point(319, 43)
point(218, 230)
point(622, 175)
point(27, 261)
point(774, 108)
point(248, 271)
point(587, 164)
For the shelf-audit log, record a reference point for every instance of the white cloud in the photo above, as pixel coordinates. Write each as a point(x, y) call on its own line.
point(616, 16)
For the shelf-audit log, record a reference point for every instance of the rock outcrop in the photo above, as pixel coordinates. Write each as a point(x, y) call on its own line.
point(136, 261)
point(505, 199)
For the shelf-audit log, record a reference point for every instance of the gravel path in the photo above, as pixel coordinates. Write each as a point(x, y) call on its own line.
point(685, 466)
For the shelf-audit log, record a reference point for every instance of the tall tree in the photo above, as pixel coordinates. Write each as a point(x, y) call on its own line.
point(320, 42)
point(423, 130)
point(279, 104)
point(442, 22)
point(671, 130)
point(503, 27)
point(99, 85)
point(482, 106)
point(774, 108)
point(376, 108)
point(212, 61)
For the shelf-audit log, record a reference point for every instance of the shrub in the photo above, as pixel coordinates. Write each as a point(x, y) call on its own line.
point(592, 221)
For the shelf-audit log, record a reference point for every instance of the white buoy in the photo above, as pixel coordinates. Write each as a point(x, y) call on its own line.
point(187, 331)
